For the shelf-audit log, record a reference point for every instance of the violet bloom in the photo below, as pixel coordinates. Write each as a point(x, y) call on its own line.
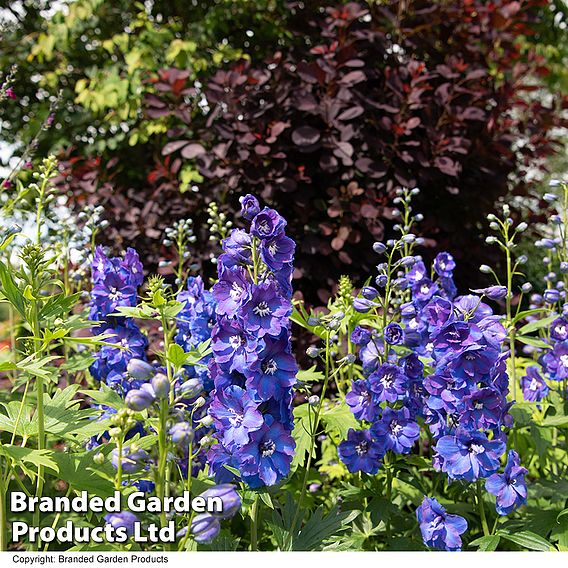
point(510, 487)
point(230, 498)
point(204, 528)
point(233, 348)
point(396, 430)
point(124, 519)
point(555, 361)
point(362, 305)
point(388, 383)
point(472, 307)
point(493, 292)
point(235, 415)
point(275, 369)
point(268, 224)
point(360, 401)
point(559, 329)
point(231, 290)
point(360, 452)
point(394, 334)
point(267, 457)
point(444, 264)
point(277, 252)
point(438, 312)
point(454, 337)
point(249, 206)
point(140, 399)
point(417, 273)
point(440, 530)
point(360, 336)
point(533, 385)
point(483, 409)
point(424, 290)
point(265, 311)
point(469, 455)
point(237, 247)
point(133, 461)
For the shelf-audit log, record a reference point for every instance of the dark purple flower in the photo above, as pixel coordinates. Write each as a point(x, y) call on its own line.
point(555, 361)
point(393, 334)
point(469, 455)
point(275, 370)
point(559, 329)
point(233, 348)
point(265, 311)
point(424, 290)
point(237, 247)
point(510, 487)
point(440, 530)
point(360, 452)
point(483, 409)
point(249, 206)
point(360, 401)
point(444, 264)
point(362, 305)
point(231, 290)
point(268, 224)
point(369, 293)
point(388, 383)
point(396, 430)
point(438, 312)
point(471, 307)
point(417, 273)
point(533, 385)
point(235, 415)
point(277, 252)
point(360, 336)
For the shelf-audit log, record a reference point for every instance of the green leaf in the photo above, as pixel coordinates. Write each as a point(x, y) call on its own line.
point(528, 539)
point(319, 528)
point(534, 325)
point(558, 421)
point(176, 355)
point(107, 397)
point(266, 499)
point(338, 421)
point(487, 543)
point(534, 342)
point(27, 455)
point(301, 435)
point(525, 313)
point(11, 290)
point(311, 375)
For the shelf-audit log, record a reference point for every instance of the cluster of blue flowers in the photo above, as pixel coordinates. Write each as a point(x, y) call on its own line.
point(253, 368)
point(463, 400)
point(115, 284)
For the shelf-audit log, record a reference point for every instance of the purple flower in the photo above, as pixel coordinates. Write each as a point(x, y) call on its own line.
point(182, 434)
point(265, 311)
point(396, 430)
point(469, 455)
point(440, 530)
point(10, 93)
point(510, 487)
point(454, 337)
point(249, 206)
point(360, 452)
point(362, 305)
point(204, 528)
point(394, 334)
point(417, 273)
point(233, 348)
point(237, 247)
point(275, 369)
point(559, 329)
point(268, 224)
point(124, 519)
point(235, 415)
point(483, 409)
point(533, 385)
point(360, 401)
point(555, 361)
point(231, 290)
point(139, 369)
point(438, 312)
point(132, 461)
point(444, 264)
point(267, 457)
point(388, 383)
point(277, 252)
point(551, 296)
point(424, 290)
point(360, 336)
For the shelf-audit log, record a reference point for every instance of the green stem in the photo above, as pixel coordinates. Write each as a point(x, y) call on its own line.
point(481, 507)
point(254, 525)
point(118, 479)
point(162, 457)
point(3, 523)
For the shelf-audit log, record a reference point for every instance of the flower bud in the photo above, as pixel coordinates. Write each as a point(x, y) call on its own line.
point(485, 269)
point(526, 287)
point(549, 197)
point(313, 352)
point(564, 267)
point(313, 400)
point(362, 305)
point(139, 369)
point(199, 402)
point(230, 498)
point(522, 227)
point(369, 293)
point(133, 459)
point(313, 321)
point(181, 434)
point(204, 528)
point(551, 296)
point(160, 385)
point(99, 458)
point(124, 519)
point(140, 399)
point(206, 421)
point(191, 388)
point(381, 280)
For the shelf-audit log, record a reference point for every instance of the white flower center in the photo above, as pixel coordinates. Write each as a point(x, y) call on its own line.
point(262, 309)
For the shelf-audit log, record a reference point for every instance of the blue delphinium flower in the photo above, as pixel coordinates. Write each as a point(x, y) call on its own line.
point(361, 452)
point(360, 401)
point(123, 519)
point(469, 455)
point(396, 430)
point(253, 368)
point(393, 334)
point(388, 383)
point(440, 530)
point(510, 487)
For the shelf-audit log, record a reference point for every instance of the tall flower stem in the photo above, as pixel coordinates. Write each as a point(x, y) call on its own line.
point(481, 508)
point(313, 433)
point(3, 520)
point(254, 524)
